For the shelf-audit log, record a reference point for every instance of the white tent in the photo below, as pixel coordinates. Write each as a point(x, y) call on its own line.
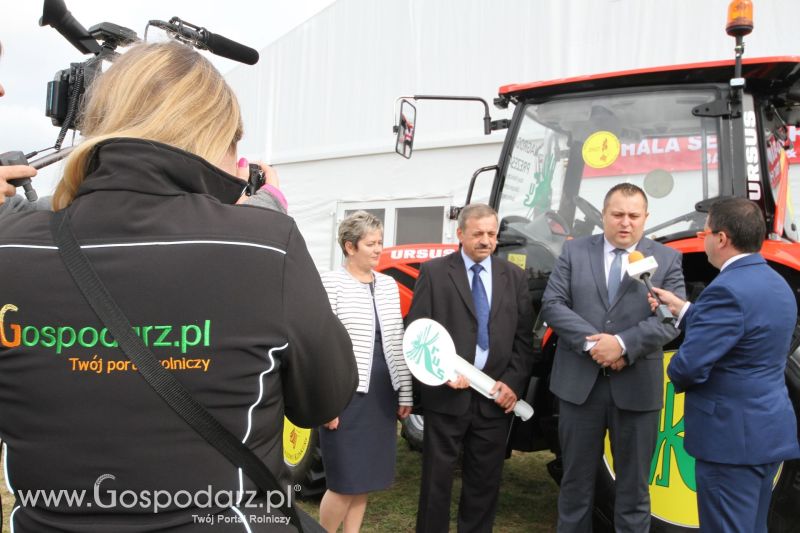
point(319, 104)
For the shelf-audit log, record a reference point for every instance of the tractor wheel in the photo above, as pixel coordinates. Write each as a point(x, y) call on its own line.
point(412, 431)
point(303, 459)
point(783, 515)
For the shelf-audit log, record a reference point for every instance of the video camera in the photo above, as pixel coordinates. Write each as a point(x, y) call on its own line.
point(65, 92)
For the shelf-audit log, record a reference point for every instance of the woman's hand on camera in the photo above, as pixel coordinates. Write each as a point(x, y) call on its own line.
point(10, 173)
point(270, 174)
point(271, 183)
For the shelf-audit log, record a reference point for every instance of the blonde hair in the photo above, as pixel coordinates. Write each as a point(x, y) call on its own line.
point(164, 92)
point(355, 226)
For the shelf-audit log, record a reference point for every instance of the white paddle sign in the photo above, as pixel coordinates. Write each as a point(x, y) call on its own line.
point(431, 356)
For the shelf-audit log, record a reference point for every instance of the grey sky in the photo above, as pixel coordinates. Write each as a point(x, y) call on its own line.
point(33, 54)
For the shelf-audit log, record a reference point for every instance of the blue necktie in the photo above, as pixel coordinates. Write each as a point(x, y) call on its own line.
point(481, 306)
point(615, 274)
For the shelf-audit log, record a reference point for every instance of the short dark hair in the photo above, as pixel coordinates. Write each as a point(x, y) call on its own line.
point(474, 211)
point(627, 189)
point(741, 220)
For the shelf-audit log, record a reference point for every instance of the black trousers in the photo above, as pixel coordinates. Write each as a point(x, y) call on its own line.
point(483, 440)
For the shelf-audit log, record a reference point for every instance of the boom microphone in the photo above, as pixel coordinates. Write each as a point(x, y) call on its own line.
point(222, 46)
point(641, 268)
point(204, 39)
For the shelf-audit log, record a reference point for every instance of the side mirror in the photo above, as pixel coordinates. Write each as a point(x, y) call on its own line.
point(405, 129)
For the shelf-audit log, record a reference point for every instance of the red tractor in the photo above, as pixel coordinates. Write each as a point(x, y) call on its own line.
point(687, 134)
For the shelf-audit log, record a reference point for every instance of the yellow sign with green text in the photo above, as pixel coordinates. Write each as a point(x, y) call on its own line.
point(673, 493)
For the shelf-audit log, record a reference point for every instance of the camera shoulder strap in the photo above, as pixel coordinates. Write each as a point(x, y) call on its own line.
point(160, 379)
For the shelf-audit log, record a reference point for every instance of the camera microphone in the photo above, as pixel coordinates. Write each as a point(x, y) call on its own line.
point(224, 47)
point(204, 39)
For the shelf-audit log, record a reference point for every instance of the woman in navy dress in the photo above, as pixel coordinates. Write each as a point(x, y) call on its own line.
point(359, 446)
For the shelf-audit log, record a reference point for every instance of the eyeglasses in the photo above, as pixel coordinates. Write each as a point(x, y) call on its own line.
point(702, 234)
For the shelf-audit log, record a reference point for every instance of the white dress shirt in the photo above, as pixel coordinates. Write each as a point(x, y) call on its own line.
point(608, 258)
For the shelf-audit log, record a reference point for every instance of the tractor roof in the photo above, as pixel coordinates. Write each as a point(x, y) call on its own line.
point(770, 74)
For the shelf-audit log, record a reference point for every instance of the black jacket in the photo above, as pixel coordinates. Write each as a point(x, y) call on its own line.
point(226, 296)
point(443, 293)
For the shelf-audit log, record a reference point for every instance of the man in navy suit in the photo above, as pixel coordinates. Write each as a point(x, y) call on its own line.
point(739, 422)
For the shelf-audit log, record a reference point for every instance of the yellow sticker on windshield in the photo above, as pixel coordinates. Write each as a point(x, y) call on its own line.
point(601, 149)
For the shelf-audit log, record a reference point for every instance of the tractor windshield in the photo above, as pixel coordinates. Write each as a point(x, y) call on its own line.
point(568, 152)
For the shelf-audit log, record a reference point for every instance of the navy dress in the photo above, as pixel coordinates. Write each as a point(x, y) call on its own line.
point(359, 456)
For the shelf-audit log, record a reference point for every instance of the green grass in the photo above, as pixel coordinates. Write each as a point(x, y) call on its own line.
point(527, 497)
point(8, 500)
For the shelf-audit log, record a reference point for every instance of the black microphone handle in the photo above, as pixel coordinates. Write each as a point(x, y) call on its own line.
point(662, 311)
point(646, 280)
point(222, 46)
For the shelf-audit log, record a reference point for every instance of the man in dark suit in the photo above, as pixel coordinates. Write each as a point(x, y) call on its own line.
point(484, 304)
point(608, 368)
point(739, 421)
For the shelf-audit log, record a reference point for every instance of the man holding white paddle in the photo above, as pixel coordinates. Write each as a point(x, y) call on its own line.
point(484, 303)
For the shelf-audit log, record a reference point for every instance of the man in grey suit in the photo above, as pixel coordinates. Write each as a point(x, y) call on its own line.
point(608, 369)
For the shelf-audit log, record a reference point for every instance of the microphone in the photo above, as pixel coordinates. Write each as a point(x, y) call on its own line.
point(224, 47)
point(641, 268)
point(205, 40)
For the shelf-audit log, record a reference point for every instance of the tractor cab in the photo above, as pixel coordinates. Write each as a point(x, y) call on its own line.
point(682, 133)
